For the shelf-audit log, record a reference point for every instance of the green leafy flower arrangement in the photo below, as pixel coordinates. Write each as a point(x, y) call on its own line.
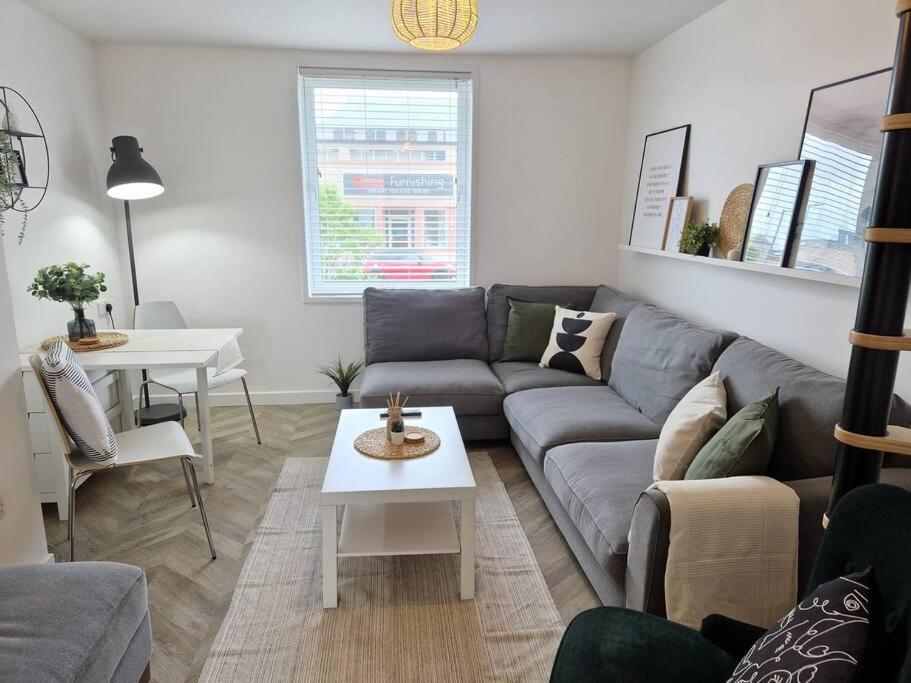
point(698, 237)
point(68, 283)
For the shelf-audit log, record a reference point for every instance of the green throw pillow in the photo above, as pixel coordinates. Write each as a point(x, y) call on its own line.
point(528, 330)
point(743, 446)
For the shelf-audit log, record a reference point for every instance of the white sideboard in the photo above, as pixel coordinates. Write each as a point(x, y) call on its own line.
point(51, 470)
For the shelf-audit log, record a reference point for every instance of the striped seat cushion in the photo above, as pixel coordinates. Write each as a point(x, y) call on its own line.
point(77, 405)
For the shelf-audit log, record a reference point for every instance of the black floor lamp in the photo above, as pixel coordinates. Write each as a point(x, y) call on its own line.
point(130, 178)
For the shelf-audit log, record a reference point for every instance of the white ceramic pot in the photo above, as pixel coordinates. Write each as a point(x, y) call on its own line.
point(397, 438)
point(344, 402)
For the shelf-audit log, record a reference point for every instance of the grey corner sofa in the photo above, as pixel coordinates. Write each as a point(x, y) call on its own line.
point(78, 621)
point(588, 445)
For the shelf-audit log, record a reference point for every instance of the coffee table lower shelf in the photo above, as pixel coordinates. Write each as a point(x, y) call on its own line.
point(398, 529)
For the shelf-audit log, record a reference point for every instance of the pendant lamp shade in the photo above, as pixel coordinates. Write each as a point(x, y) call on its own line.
point(131, 176)
point(435, 24)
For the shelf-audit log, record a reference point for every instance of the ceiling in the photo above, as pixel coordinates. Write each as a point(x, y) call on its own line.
point(524, 27)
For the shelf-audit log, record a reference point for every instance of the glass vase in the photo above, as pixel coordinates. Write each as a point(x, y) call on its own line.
point(80, 327)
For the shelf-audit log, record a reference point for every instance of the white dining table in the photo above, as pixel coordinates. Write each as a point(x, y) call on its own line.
point(190, 349)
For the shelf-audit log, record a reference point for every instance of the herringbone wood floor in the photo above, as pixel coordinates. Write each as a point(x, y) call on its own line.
point(142, 516)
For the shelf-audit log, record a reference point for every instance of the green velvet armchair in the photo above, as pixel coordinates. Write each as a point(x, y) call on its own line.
point(871, 526)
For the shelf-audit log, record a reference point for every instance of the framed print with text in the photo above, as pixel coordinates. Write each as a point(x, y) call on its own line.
point(660, 179)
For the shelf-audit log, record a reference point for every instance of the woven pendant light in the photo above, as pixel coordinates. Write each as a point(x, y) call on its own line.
point(435, 24)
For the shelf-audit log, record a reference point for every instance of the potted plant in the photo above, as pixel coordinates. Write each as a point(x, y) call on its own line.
point(343, 377)
point(698, 237)
point(70, 283)
point(10, 190)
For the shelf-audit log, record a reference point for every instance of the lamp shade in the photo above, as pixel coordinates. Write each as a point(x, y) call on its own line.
point(131, 176)
point(435, 24)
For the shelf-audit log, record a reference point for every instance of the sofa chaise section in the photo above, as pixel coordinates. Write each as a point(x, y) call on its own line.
point(431, 345)
point(803, 458)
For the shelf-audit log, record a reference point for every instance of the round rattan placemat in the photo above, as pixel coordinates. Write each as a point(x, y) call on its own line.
point(104, 340)
point(373, 444)
point(734, 216)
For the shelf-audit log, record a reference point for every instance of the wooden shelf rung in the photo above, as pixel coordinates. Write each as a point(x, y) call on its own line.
point(881, 342)
point(888, 235)
point(896, 440)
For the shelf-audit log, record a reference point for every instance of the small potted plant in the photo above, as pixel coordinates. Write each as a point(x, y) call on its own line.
point(71, 283)
point(698, 237)
point(343, 377)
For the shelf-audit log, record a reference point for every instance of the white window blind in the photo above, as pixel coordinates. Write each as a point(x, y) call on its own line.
point(387, 179)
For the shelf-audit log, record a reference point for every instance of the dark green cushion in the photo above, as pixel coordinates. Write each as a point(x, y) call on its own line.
point(528, 329)
point(743, 446)
point(616, 645)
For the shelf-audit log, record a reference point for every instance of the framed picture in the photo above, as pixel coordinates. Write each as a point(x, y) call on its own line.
point(678, 215)
point(779, 197)
point(660, 179)
point(11, 165)
point(841, 134)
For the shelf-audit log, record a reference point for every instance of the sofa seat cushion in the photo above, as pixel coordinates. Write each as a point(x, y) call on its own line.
point(70, 622)
point(518, 376)
point(544, 418)
point(598, 485)
point(468, 385)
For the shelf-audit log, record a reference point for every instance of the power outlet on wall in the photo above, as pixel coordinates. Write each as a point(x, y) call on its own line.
point(102, 305)
point(2, 509)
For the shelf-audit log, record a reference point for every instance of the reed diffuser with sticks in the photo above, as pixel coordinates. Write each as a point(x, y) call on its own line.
point(395, 425)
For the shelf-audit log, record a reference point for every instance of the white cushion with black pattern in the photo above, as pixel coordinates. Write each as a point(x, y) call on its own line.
point(77, 404)
point(576, 341)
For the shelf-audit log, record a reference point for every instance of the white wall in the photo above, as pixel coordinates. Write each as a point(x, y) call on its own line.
point(22, 538)
point(221, 127)
point(56, 70)
point(741, 75)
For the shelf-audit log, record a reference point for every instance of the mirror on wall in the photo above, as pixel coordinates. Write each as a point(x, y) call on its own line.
point(842, 136)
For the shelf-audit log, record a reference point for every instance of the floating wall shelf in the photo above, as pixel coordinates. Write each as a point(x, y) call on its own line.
point(828, 278)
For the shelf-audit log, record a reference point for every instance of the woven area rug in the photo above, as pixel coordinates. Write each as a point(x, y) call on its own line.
point(399, 618)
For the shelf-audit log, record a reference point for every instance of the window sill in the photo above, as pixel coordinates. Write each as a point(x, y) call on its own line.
point(334, 299)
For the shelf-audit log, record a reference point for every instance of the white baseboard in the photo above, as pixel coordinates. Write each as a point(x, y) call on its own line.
point(262, 398)
point(49, 559)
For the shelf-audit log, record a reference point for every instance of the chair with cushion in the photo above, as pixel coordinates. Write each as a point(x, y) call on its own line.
point(90, 445)
point(869, 528)
point(164, 315)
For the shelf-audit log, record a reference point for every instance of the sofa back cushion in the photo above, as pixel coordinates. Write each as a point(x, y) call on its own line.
point(424, 324)
point(609, 300)
point(659, 358)
point(498, 307)
point(810, 404)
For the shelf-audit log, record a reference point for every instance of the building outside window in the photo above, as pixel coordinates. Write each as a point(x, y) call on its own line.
point(399, 228)
point(435, 228)
point(391, 215)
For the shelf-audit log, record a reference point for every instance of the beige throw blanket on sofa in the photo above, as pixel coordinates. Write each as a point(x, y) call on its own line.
point(733, 550)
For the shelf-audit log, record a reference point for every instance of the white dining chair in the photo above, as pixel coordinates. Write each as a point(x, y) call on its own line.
point(155, 443)
point(164, 315)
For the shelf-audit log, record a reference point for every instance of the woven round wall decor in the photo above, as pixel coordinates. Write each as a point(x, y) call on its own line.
point(104, 340)
point(373, 444)
point(733, 222)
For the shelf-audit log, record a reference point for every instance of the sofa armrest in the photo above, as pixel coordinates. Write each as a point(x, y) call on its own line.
point(649, 539)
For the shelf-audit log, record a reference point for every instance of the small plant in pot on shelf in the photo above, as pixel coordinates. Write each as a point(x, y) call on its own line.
point(343, 377)
point(71, 283)
point(698, 237)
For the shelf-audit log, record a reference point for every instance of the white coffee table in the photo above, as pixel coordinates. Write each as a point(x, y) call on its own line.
point(397, 507)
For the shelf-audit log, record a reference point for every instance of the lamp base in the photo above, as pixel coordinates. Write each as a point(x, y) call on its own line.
point(159, 412)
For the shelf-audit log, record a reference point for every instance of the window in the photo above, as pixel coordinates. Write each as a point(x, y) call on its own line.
point(435, 228)
point(377, 217)
point(431, 136)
